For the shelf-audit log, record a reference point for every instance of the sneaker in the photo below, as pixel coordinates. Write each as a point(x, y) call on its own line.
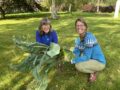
point(92, 77)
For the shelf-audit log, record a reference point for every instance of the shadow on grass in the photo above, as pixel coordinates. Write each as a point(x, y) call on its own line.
point(27, 15)
point(31, 15)
point(69, 78)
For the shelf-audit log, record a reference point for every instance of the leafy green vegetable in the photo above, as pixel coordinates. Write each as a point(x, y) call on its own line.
point(41, 58)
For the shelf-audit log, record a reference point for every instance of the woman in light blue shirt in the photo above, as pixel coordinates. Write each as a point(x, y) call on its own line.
point(89, 57)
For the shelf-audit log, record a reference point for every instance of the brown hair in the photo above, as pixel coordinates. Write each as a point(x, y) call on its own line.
point(83, 21)
point(44, 21)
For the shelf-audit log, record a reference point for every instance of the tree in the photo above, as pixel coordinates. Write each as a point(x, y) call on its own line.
point(117, 9)
point(2, 11)
point(4, 5)
point(70, 6)
point(11, 6)
point(98, 4)
point(53, 10)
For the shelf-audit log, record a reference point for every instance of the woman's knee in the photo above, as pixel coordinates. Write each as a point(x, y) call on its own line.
point(80, 67)
point(101, 67)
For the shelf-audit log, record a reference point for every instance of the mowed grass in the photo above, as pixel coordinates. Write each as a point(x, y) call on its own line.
point(102, 25)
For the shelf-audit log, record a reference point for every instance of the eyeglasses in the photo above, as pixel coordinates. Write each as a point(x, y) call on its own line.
point(80, 25)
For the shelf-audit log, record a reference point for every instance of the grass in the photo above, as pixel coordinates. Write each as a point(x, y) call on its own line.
point(104, 27)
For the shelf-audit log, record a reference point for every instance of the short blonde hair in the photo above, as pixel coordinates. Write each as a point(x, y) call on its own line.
point(81, 20)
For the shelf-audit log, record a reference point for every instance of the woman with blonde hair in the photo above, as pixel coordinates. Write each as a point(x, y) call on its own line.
point(89, 57)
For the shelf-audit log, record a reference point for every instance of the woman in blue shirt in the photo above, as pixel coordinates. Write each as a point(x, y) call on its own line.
point(45, 34)
point(89, 57)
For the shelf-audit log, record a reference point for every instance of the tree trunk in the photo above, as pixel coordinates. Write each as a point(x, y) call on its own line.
point(98, 5)
point(70, 6)
point(2, 13)
point(117, 9)
point(53, 10)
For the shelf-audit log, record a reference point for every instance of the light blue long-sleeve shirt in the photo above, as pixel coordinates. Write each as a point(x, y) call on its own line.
point(87, 49)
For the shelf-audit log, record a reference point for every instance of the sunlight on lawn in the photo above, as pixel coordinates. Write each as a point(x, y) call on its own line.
point(22, 83)
point(9, 25)
point(103, 26)
point(6, 79)
point(15, 21)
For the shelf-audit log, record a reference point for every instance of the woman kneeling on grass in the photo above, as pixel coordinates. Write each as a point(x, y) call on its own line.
point(89, 57)
point(46, 34)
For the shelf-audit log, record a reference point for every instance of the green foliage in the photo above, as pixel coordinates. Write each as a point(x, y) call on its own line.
point(40, 60)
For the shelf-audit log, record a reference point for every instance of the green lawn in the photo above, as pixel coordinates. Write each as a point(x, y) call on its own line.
point(104, 27)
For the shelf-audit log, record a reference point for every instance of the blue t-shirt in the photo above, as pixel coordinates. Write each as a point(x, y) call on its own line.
point(47, 38)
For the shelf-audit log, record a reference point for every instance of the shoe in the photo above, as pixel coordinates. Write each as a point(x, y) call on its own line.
point(92, 77)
